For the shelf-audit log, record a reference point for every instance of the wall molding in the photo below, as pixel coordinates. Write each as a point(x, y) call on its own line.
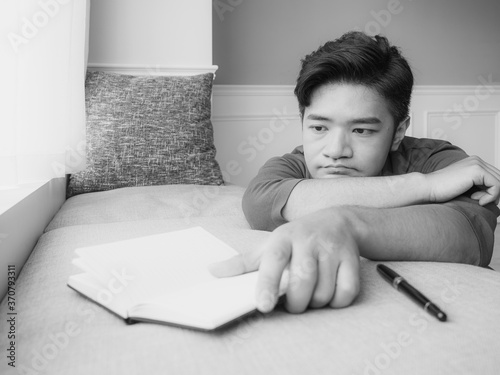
point(157, 70)
point(254, 117)
point(287, 90)
point(253, 90)
point(454, 90)
point(250, 98)
point(253, 123)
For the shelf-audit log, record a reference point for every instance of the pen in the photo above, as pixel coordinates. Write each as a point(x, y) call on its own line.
point(400, 284)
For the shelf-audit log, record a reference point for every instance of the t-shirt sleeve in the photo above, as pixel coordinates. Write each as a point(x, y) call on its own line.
point(441, 155)
point(268, 192)
point(482, 219)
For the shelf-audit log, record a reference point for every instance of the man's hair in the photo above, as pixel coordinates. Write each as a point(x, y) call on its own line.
point(356, 58)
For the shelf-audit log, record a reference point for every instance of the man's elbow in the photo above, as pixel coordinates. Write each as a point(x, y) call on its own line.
point(255, 221)
point(476, 230)
point(257, 215)
point(485, 251)
point(481, 252)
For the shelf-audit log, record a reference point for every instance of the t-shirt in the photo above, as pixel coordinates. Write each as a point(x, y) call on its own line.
point(268, 192)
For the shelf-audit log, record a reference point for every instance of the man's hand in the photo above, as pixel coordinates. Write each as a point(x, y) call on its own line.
point(454, 180)
point(322, 255)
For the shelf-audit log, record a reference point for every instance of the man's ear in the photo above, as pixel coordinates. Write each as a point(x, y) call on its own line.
point(399, 134)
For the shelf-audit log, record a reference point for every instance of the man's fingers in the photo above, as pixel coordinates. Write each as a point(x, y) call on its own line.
point(325, 287)
point(493, 193)
point(492, 169)
point(303, 277)
point(348, 283)
point(275, 257)
point(489, 195)
point(490, 180)
point(229, 267)
point(237, 265)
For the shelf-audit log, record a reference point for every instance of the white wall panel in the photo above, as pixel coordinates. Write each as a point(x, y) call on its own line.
point(477, 132)
point(254, 123)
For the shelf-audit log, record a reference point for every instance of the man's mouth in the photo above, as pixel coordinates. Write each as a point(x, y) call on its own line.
point(336, 170)
point(342, 169)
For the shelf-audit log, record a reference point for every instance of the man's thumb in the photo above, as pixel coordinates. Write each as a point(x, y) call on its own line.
point(233, 266)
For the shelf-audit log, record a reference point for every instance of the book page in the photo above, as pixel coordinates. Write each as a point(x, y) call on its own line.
point(205, 306)
point(143, 268)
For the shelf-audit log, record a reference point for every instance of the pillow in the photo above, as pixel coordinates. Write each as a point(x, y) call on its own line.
point(147, 130)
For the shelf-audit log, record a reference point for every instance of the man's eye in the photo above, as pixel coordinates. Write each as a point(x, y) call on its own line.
point(317, 128)
point(363, 131)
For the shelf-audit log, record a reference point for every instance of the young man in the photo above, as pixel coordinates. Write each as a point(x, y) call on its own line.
point(358, 186)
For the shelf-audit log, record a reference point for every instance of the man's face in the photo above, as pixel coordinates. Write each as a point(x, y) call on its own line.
point(347, 130)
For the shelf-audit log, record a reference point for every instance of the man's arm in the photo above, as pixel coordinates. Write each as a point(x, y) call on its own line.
point(312, 195)
point(322, 249)
point(396, 191)
point(434, 232)
point(282, 190)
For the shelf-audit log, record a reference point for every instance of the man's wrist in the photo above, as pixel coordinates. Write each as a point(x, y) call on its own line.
point(363, 223)
point(411, 185)
point(353, 220)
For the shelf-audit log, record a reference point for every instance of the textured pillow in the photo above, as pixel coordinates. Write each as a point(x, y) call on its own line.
point(147, 130)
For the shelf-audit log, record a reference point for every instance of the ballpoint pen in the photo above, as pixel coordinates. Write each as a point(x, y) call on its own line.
point(400, 284)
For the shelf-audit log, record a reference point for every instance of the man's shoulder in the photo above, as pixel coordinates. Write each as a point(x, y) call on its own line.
point(411, 147)
point(297, 154)
point(298, 150)
point(289, 165)
point(424, 155)
point(412, 143)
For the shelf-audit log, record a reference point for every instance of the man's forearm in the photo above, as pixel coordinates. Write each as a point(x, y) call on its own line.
point(379, 192)
point(431, 232)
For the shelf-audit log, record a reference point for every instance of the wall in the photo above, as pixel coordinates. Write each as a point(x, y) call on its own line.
point(453, 47)
point(448, 42)
point(146, 32)
point(258, 45)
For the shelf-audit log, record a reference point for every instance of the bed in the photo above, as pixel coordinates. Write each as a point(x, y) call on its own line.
point(131, 189)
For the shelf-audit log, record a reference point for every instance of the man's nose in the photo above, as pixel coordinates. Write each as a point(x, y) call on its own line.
point(337, 145)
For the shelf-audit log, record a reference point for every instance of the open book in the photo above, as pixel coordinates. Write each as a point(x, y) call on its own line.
point(164, 278)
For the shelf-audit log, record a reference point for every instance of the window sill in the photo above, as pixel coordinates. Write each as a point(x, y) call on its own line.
point(25, 211)
point(12, 195)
